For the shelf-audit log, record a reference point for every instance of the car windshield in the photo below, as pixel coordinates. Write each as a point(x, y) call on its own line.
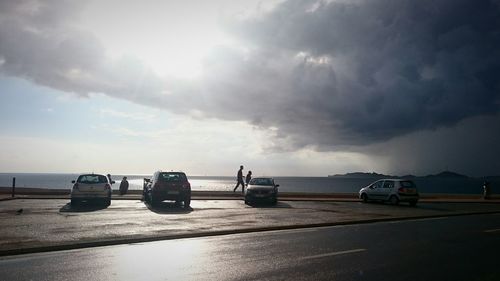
point(90, 179)
point(261, 181)
point(408, 184)
point(172, 177)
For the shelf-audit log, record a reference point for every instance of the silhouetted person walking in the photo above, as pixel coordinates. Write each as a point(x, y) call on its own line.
point(249, 177)
point(240, 180)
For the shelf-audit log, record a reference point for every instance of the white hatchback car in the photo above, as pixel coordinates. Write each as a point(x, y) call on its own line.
point(91, 186)
point(392, 190)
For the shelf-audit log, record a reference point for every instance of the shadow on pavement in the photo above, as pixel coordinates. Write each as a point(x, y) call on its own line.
point(383, 203)
point(421, 206)
point(270, 205)
point(430, 207)
point(82, 207)
point(168, 208)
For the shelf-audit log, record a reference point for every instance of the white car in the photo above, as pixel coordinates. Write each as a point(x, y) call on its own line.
point(392, 190)
point(91, 186)
point(261, 189)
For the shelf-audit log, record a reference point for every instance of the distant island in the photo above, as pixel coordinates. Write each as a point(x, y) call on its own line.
point(361, 175)
point(445, 174)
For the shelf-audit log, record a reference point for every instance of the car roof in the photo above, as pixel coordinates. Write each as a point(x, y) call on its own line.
point(91, 174)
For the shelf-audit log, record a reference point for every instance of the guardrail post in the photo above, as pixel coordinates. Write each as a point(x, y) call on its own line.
point(13, 186)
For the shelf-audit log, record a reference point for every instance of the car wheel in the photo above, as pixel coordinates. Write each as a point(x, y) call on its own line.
point(107, 201)
point(364, 198)
point(394, 200)
point(413, 203)
point(187, 202)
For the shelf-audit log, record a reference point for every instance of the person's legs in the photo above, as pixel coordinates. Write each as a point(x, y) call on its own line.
point(242, 187)
point(240, 182)
point(236, 187)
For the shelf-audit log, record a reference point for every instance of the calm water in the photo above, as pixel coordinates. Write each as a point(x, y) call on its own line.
point(287, 184)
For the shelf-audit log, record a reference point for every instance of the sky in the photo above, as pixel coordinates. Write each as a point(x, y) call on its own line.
point(284, 87)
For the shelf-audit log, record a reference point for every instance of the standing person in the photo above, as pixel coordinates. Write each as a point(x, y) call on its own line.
point(124, 186)
point(486, 190)
point(240, 180)
point(249, 177)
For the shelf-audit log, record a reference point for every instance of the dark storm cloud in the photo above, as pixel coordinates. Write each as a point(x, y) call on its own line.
point(471, 148)
point(373, 70)
point(323, 74)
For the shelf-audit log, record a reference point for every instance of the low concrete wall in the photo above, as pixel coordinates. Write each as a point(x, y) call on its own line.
point(228, 194)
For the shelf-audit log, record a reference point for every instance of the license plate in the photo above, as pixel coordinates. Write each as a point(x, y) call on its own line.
point(173, 192)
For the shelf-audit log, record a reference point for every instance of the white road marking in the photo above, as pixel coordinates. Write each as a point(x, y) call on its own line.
point(492, 230)
point(333, 254)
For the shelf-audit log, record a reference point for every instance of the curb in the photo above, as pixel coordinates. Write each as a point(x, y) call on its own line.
point(113, 242)
point(311, 199)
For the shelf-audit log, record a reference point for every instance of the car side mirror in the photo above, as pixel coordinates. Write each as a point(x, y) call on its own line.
point(73, 181)
point(147, 180)
point(277, 185)
point(112, 182)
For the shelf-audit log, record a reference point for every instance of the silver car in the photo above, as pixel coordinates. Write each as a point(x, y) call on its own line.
point(391, 190)
point(91, 186)
point(261, 189)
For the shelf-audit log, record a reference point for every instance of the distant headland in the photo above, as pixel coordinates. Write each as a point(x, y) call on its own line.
point(444, 174)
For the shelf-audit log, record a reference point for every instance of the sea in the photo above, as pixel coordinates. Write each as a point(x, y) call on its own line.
point(287, 184)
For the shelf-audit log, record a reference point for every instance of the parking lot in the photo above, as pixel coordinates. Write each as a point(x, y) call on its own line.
point(30, 225)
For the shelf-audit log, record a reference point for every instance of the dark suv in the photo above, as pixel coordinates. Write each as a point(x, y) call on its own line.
point(168, 186)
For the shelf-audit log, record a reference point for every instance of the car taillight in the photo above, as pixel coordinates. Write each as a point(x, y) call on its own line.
point(402, 189)
point(186, 185)
point(75, 186)
point(107, 186)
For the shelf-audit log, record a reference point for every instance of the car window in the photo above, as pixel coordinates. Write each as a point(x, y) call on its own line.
point(388, 184)
point(89, 179)
point(261, 181)
point(408, 184)
point(378, 184)
point(172, 177)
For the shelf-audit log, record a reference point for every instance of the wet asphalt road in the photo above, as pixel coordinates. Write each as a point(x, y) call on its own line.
point(448, 248)
point(50, 223)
